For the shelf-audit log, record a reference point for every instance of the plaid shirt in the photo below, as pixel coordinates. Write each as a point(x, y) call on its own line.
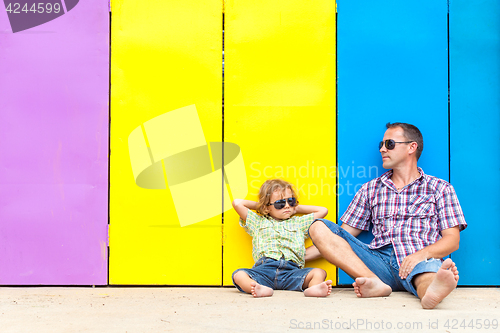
point(276, 239)
point(410, 219)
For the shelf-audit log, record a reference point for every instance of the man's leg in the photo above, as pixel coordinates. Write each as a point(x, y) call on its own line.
point(432, 288)
point(337, 251)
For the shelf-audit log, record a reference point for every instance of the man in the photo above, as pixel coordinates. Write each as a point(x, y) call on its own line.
point(416, 221)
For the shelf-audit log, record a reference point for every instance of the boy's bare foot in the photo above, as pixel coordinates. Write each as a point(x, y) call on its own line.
point(259, 290)
point(320, 290)
point(443, 284)
point(371, 287)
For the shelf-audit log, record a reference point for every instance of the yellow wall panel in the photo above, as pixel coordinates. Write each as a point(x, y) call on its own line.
point(165, 108)
point(280, 106)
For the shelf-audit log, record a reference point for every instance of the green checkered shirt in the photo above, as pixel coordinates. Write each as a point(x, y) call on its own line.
point(276, 239)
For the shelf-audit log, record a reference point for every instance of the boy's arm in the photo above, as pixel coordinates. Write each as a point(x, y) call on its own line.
point(319, 212)
point(242, 206)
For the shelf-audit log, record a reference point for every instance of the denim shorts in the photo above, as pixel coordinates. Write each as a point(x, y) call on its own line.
point(276, 274)
point(382, 261)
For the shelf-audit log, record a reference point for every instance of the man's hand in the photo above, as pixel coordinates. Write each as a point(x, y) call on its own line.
point(443, 247)
point(410, 262)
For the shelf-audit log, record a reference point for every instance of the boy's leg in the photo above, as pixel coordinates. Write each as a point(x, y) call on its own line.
point(291, 277)
point(250, 286)
point(315, 284)
point(314, 277)
point(258, 280)
point(335, 245)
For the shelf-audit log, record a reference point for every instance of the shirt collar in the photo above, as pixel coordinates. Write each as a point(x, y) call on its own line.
point(386, 177)
point(422, 177)
point(273, 220)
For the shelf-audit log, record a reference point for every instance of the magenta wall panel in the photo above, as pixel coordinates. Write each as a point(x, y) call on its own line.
point(54, 87)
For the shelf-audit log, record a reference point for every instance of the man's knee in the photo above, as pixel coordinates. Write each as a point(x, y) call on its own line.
point(318, 230)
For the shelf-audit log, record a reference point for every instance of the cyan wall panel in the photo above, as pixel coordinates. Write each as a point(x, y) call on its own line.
point(54, 144)
point(475, 135)
point(392, 67)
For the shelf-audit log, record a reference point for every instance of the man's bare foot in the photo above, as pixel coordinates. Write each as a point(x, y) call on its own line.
point(320, 290)
point(371, 287)
point(443, 284)
point(259, 290)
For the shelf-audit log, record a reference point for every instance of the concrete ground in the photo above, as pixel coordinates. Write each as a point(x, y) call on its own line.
point(112, 309)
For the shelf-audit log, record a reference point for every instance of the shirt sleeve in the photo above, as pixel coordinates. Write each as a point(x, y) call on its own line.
point(305, 222)
point(358, 213)
point(449, 211)
point(251, 222)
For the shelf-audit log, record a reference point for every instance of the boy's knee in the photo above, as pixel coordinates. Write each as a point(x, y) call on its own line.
point(239, 275)
point(318, 272)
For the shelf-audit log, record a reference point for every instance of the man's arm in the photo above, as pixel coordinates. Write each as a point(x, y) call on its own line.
point(447, 244)
point(242, 206)
point(353, 231)
point(358, 213)
point(312, 253)
point(318, 211)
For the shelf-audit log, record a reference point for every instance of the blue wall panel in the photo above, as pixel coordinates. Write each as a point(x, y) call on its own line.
point(392, 67)
point(475, 135)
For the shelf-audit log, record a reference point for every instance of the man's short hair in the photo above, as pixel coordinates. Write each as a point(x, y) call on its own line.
point(411, 133)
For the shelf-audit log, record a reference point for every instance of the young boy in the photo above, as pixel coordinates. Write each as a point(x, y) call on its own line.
point(278, 243)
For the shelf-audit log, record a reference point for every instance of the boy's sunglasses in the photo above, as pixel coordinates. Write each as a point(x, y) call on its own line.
point(280, 204)
point(390, 144)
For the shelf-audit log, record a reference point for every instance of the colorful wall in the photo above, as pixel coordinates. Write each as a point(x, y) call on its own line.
point(125, 135)
point(54, 127)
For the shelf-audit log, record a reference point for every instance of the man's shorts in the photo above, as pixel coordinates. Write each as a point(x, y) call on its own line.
point(276, 274)
point(382, 261)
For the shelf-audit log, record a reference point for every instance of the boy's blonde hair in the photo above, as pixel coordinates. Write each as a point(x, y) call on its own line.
point(267, 189)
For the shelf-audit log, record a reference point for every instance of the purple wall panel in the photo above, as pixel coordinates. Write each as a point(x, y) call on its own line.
point(54, 86)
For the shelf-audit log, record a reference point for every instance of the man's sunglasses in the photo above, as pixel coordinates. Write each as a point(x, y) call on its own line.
point(390, 144)
point(280, 204)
